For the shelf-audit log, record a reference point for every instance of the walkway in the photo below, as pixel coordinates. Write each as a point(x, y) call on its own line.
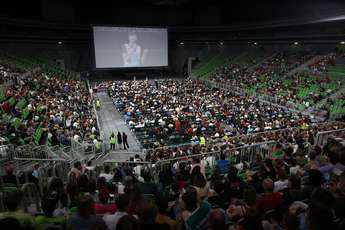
point(110, 120)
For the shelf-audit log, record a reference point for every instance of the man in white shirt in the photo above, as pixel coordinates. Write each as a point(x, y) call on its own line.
point(122, 202)
point(106, 174)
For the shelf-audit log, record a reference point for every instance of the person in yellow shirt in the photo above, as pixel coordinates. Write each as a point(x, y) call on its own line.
point(113, 141)
point(98, 104)
point(202, 141)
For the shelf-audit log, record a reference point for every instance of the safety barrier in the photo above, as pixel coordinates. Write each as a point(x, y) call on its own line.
point(128, 165)
point(322, 137)
point(220, 141)
point(82, 151)
point(234, 155)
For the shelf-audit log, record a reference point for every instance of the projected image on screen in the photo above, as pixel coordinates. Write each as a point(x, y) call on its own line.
point(117, 47)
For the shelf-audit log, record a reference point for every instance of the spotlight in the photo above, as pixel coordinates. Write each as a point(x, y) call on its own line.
point(59, 42)
point(181, 43)
point(342, 42)
point(255, 43)
point(295, 43)
point(221, 43)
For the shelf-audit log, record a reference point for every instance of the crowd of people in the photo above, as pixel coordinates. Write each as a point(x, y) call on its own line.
point(54, 109)
point(161, 111)
point(293, 188)
point(269, 78)
point(289, 136)
point(298, 185)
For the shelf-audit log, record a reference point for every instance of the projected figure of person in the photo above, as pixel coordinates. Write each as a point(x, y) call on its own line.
point(132, 53)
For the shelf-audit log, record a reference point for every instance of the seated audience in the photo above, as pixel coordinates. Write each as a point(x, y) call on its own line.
point(13, 200)
point(49, 205)
point(85, 217)
point(122, 203)
point(270, 199)
point(103, 206)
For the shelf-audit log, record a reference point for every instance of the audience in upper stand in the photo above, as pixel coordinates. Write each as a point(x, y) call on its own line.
point(270, 78)
point(55, 109)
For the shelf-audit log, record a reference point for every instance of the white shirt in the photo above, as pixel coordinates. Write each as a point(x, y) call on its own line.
point(107, 177)
point(111, 220)
point(280, 185)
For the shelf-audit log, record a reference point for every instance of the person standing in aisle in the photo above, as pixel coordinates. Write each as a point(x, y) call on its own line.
point(113, 141)
point(98, 104)
point(124, 140)
point(119, 139)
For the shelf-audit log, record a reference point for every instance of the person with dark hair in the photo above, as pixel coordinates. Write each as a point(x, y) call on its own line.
point(49, 205)
point(148, 187)
point(219, 199)
point(314, 182)
point(128, 222)
point(136, 199)
point(217, 219)
point(85, 217)
point(147, 214)
point(321, 213)
point(195, 213)
point(334, 150)
point(223, 164)
point(122, 203)
point(267, 169)
point(282, 183)
point(9, 179)
point(12, 201)
point(77, 169)
point(56, 190)
point(162, 217)
point(291, 221)
point(125, 141)
point(119, 139)
point(83, 183)
point(107, 174)
point(103, 206)
point(339, 194)
point(198, 181)
point(293, 192)
point(269, 200)
point(10, 223)
point(233, 184)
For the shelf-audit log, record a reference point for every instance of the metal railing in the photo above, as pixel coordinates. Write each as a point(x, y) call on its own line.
point(322, 137)
point(234, 155)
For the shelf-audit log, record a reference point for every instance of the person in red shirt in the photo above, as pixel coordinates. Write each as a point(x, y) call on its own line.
point(177, 125)
point(190, 131)
point(270, 200)
point(104, 207)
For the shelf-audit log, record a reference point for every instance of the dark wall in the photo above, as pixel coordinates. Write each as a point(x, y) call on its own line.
point(76, 56)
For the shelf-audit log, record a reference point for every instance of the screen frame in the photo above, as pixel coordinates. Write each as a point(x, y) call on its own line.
point(94, 68)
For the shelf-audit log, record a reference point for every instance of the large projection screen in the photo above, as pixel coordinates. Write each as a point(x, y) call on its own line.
point(126, 47)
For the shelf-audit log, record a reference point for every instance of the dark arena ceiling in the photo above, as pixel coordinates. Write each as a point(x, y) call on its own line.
point(170, 12)
point(187, 20)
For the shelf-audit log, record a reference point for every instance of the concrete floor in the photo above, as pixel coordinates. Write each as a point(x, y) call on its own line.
point(110, 120)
